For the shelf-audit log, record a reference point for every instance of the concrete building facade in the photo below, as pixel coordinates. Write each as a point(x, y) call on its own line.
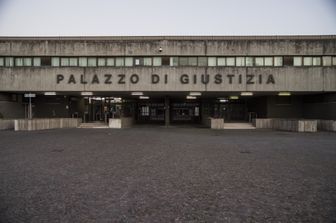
point(169, 79)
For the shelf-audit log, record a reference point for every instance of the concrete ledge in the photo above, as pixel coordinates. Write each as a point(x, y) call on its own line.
point(6, 124)
point(216, 123)
point(51, 123)
point(263, 123)
point(119, 123)
point(326, 125)
point(294, 125)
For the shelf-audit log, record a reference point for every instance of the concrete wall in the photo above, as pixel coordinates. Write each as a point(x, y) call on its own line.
point(315, 79)
point(119, 123)
point(6, 124)
point(293, 125)
point(326, 125)
point(312, 79)
point(182, 45)
point(40, 124)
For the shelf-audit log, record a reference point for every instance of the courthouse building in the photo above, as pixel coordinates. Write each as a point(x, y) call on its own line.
point(168, 79)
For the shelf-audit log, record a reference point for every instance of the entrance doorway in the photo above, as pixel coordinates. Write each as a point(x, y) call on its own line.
point(100, 109)
point(151, 112)
point(185, 112)
point(232, 110)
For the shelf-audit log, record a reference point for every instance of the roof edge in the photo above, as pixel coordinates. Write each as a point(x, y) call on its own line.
point(121, 38)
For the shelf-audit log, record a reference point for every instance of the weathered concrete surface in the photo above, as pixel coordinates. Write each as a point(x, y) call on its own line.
point(48, 123)
point(178, 45)
point(216, 123)
point(167, 175)
point(119, 123)
point(285, 79)
point(293, 125)
point(6, 124)
point(263, 123)
point(316, 79)
point(326, 125)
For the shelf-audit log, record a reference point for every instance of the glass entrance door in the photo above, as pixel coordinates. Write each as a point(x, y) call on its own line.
point(185, 112)
point(151, 112)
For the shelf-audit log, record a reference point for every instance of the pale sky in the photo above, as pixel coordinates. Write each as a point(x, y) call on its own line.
point(166, 17)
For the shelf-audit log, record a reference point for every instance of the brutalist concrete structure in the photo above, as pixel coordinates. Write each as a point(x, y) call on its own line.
point(169, 79)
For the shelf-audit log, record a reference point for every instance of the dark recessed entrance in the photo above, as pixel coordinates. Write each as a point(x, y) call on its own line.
point(185, 112)
point(150, 112)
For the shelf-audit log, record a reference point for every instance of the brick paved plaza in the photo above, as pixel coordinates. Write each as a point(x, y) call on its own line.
point(167, 175)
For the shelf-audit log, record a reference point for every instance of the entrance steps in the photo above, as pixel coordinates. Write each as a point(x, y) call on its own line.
point(238, 125)
point(93, 125)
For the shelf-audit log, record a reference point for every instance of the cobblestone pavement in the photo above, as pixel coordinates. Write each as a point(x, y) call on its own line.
point(167, 175)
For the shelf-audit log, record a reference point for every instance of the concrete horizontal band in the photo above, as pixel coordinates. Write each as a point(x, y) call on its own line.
point(119, 38)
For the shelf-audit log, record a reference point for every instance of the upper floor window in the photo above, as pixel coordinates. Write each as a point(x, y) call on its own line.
point(110, 61)
point(147, 61)
point(240, 61)
point(36, 61)
point(55, 61)
point(259, 61)
point(297, 61)
point(230, 61)
point(157, 61)
point(9, 61)
point(201, 61)
point(92, 62)
point(82, 61)
point(128, 61)
point(327, 61)
point(278, 61)
point(73, 62)
point(268, 61)
point(307, 61)
point(119, 62)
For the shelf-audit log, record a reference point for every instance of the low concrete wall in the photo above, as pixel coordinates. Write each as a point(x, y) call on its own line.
point(47, 123)
point(326, 125)
point(294, 125)
point(216, 123)
point(6, 124)
point(263, 123)
point(119, 123)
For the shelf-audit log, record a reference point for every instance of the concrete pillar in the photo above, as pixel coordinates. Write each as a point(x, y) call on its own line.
point(167, 111)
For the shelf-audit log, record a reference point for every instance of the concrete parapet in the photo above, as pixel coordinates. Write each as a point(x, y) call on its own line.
point(119, 123)
point(293, 125)
point(47, 123)
point(326, 125)
point(263, 123)
point(216, 123)
point(6, 124)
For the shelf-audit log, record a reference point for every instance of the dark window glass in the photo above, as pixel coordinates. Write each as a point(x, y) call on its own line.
point(138, 61)
point(288, 61)
point(165, 61)
point(45, 61)
point(183, 61)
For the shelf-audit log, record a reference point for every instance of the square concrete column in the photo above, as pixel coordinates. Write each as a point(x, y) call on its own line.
point(167, 111)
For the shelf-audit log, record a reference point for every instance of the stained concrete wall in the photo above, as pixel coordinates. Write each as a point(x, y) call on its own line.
point(50, 123)
point(182, 45)
point(314, 79)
